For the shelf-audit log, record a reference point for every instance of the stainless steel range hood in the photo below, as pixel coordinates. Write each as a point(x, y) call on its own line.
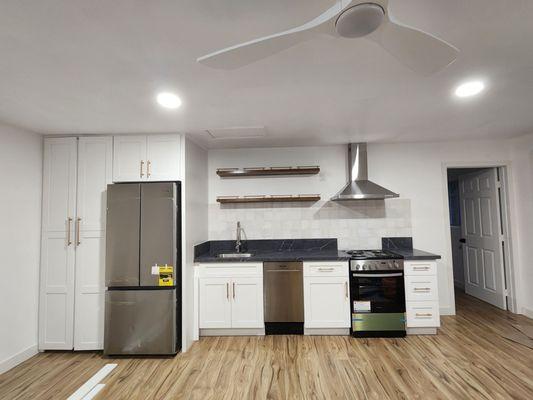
point(359, 187)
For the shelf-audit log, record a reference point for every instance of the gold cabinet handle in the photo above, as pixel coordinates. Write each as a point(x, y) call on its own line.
point(227, 290)
point(148, 164)
point(233, 290)
point(326, 269)
point(142, 165)
point(346, 289)
point(69, 223)
point(78, 238)
point(424, 314)
point(423, 289)
point(420, 268)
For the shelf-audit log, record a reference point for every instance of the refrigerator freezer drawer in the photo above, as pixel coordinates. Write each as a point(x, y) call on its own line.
point(140, 322)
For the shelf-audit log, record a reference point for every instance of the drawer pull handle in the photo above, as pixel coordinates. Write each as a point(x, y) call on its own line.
point(420, 268)
point(423, 289)
point(346, 289)
point(424, 315)
point(326, 269)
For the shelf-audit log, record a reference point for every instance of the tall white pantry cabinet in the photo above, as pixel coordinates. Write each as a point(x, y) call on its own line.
point(75, 178)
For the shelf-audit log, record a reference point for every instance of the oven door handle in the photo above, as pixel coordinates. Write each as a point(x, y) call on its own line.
point(377, 275)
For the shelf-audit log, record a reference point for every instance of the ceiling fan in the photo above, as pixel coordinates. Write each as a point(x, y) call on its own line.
point(418, 50)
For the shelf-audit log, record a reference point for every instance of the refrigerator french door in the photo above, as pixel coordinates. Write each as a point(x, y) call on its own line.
point(141, 316)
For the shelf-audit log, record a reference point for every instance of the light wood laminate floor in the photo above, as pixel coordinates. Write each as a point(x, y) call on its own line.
point(468, 359)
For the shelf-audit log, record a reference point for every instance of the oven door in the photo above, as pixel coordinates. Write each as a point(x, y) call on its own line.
point(377, 292)
point(378, 304)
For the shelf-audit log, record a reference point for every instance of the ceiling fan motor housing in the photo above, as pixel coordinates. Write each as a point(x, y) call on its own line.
point(359, 20)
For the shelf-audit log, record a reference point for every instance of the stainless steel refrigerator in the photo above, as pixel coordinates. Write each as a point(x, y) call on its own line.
point(143, 232)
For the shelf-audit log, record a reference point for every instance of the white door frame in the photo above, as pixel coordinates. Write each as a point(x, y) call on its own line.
point(508, 199)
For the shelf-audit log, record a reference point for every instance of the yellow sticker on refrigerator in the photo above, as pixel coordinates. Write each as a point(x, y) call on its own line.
point(166, 275)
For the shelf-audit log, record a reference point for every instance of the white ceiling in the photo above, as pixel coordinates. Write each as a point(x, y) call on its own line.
point(78, 66)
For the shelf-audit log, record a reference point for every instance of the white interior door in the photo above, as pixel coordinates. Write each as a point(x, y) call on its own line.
point(94, 174)
point(129, 158)
point(56, 306)
point(482, 250)
point(247, 307)
point(326, 302)
point(215, 303)
point(163, 155)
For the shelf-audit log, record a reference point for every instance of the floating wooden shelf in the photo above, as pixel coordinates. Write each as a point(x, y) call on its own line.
point(262, 171)
point(268, 198)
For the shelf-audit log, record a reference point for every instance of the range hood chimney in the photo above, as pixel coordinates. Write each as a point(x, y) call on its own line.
point(359, 187)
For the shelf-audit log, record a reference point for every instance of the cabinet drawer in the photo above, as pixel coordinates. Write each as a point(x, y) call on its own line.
point(412, 268)
point(421, 288)
point(422, 314)
point(326, 269)
point(224, 269)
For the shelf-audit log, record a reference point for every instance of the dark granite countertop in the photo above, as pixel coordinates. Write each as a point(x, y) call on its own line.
point(271, 250)
point(286, 250)
point(281, 256)
point(414, 254)
point(403, 246)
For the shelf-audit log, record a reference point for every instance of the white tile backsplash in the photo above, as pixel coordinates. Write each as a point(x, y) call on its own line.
point(357, 224)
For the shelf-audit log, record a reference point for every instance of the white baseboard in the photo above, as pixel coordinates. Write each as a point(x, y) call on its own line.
point(527, 312)
point(446, 311)
point(421, 331)
point(233, 332)
point(11, 362)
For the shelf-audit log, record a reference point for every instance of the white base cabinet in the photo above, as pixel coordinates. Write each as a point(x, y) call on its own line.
point(326, 295)
point(421, 297)
point(230, 296)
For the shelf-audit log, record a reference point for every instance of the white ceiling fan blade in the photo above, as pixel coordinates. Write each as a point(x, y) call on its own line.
point(419, 51)
point(257, 49)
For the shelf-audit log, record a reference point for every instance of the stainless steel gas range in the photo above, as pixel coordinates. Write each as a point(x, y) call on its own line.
point(377, 294)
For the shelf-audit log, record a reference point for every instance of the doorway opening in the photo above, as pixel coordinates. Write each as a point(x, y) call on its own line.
point(479, 230)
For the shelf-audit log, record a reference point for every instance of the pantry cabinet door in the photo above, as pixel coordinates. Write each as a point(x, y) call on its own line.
point(215, 303)
point(56, 316)
point(326, 302)
point(129, 158)
point(94, 174)
point(164, 158)
point(56, 303)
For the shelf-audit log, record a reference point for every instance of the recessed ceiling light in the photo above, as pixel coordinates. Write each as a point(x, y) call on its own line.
point(168, 100)
point(468, 89)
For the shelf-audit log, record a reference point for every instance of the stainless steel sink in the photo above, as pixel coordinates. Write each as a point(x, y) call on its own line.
point(234, 255)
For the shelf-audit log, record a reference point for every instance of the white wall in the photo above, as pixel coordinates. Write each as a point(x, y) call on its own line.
point(355, 224)
point(195, 222)
point(415, 170)
point(522, 217)
point(20, 219)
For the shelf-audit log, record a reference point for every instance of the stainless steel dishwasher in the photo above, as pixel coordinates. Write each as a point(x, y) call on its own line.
point(284, 298)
